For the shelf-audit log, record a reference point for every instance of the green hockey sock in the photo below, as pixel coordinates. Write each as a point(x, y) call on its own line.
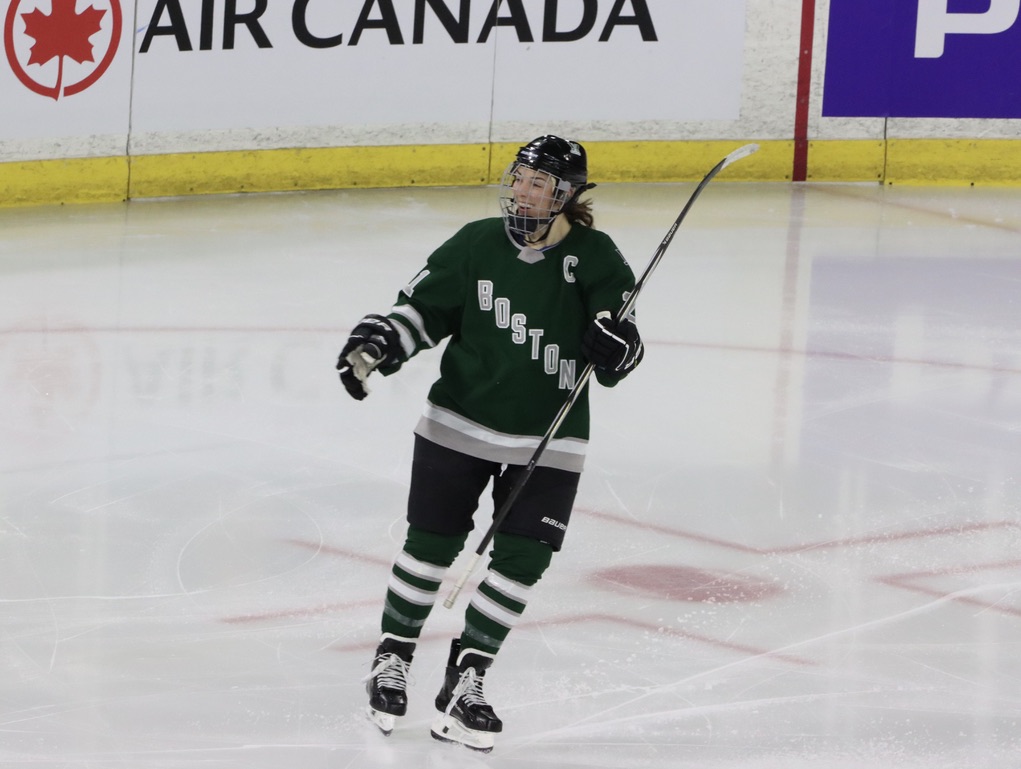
point(415, 581)
point(517, 564)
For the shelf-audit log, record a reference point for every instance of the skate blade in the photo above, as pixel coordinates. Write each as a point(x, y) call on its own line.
point(447, 729)
point(383, 721)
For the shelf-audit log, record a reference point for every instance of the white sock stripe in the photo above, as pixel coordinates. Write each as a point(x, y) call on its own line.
point(412, 594)
point(419, 568)
point(508, 587)
point(489, 608)
point(399, 639)
point(391, 611)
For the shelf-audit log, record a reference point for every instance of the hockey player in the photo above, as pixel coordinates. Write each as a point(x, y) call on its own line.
point(524, 301)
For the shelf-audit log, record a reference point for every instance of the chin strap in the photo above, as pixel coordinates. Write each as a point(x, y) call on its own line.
point(540, 233)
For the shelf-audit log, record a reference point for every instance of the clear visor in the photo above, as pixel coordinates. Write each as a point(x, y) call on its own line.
point(530, 199)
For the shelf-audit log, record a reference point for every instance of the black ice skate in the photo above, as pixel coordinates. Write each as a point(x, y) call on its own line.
point(466, 718)
point(387, 682)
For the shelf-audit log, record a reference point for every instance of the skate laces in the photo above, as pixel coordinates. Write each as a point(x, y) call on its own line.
point(469, 687)
point(391, 672)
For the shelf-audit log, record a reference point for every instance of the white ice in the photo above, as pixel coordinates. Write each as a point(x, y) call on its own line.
point(797, 542)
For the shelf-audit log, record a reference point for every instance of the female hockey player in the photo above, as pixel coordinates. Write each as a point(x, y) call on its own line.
point(524, 301)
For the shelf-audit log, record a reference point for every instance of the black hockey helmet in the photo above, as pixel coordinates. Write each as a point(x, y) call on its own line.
point(563, 165)
point(558, 157)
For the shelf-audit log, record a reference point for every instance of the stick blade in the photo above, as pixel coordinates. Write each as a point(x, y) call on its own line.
point(740, 153)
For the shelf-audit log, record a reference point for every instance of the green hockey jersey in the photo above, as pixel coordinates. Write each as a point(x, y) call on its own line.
point(515, 320)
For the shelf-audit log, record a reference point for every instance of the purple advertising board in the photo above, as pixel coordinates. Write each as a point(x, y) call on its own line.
point(923, 58)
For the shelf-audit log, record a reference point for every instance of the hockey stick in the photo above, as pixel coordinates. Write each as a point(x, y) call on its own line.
point(586, 373)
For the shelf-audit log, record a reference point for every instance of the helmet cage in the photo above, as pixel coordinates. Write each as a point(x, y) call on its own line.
point(531, 198)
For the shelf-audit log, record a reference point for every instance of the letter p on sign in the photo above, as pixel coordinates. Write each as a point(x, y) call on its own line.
point(935, 23)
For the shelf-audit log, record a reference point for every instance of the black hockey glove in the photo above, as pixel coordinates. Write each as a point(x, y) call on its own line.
point(374, 342)
point(612, 346)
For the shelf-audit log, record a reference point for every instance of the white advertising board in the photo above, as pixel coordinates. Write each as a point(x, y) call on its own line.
point(197, 75)
point(665, 60)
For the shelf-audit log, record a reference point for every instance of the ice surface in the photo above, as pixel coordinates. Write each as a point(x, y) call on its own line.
point(797, 541)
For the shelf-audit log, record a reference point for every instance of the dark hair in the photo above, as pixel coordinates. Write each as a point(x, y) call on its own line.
point(579, 212)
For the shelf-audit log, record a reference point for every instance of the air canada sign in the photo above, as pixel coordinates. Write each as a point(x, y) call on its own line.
point(59, 48)
point(455, 16)
point(187, 75)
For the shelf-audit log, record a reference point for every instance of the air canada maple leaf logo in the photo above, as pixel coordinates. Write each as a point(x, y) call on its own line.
point(52, 39)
